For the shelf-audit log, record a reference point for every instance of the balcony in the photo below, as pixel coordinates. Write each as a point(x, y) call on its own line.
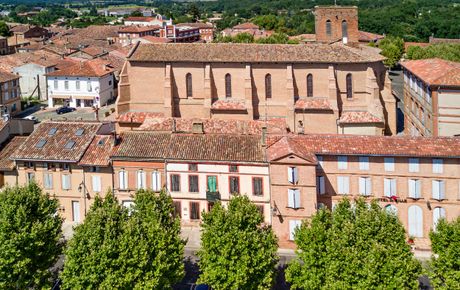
point(212, 196)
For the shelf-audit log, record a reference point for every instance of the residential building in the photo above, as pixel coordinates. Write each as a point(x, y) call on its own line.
point(148, 21)
point(431, 93)
point(70, 160)
point(33, 76)
point(10, 94)
point(317, 88)
point(22, 33)
point(178, 33)
point(415, 178)
point(248, 28)
point(127, 34)
point(85, 84)
point(206, 30)
point(4, 48)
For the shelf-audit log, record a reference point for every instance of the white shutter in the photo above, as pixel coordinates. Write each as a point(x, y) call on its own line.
point(368, 186)
point(342, 162)
point(296, 198)
point(437, 166)
point(48, 181)
point(438, 213)
point(291, 198)
point(123, 180)
point(66, 181)
point(412, 186)
point(141, 180)
point(340, 184)
point(156, 181)
point(364, 163)
point(413, 165)
point(387, 187)
point(393, 186)
point(362, 185)
point(415, 221)
point(96, 183)
point(389, 164)
point(437, 189)
point(293, 175)
point(293, 225)
point(441, 189)
point(418, 188)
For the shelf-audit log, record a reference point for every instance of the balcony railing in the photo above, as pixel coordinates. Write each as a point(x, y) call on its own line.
point(212, 196)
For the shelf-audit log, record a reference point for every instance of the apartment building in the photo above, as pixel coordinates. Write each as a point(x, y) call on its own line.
point(180, 34)
point(431, 92)
point(206, 30)
point(85, 84)
point(128, 34)
point(148, 20)
point(10, 93)
point(70, 160)
point(196, 169)
point(416, 178)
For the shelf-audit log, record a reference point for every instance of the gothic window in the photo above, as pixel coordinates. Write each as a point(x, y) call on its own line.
point(228, 86)
point(188, 84)
point(309, 85)
point(328, 28)
point(268, 86)
point(349, 86)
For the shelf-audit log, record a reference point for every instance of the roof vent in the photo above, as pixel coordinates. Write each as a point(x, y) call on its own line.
point(197, 128)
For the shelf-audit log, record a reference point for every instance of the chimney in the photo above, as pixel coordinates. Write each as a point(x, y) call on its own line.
point(197, 128)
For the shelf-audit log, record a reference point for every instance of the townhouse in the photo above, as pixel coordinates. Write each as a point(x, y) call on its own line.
point(10, 94)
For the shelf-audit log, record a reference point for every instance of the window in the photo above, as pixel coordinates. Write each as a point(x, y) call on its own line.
point(76, 211)
point(177, 209)
point(389, 164)
point(123, 180)
point(309, 85)
point(343, 184)
point(212, 183)
point(141, 179)
point(65, 167)
point(40, 143)
point(413, 165)
point(438, 166)
point(188, 85)
point(77, 85)
point(66, 85)
point(96, 183)
point(156, 181)
point(234, 184)
point(294, 198)
point(365, 186)
point(320, 185)
point(66, 182)
point(268, 86)
point(438, 189)
point(55, 84)
point(48, 180)
point(415, 186)
point(391, 209)
point(129, 205)
point(342, 162)
point(389, 187)
point(415, 221)
point(194, 210)
point(363, 163)
point(328, 28)
point(175, 182)
point(88, 86)
point(438, 214)
point(293, 175)
point(257, 186)
point(349, 86)
point(79, 132)
point(228, 86)
point(193, 167)
point(29, 165)
point(344, 29)
point(233, 168)
point(293, 225)
point(320, 161)
point(94, 169)
point(30, 177)
point(193, 183)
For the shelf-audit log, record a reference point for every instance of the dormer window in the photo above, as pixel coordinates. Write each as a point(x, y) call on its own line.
point(52, 131)
point(40, 144)
point(79, 132)
point(69, 145)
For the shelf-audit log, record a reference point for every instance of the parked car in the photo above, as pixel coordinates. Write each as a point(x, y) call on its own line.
point(63, 110)
point(200, 287)
point(32, 118)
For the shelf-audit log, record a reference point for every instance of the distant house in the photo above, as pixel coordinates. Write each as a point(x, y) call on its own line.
point(206, 30)
point(10, 96)
point(86, 84)
point(180, 33)
point(435, 40)
point(368, 37)
point(4, 49)
point(33, 77)
point(249, 28)
point(29, 32)
point(128, 33)
point(148, 21)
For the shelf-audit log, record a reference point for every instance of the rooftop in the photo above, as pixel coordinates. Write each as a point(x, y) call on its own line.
point(354, 117)
point(98, 152)
point(246, 25)
point(58, 141)
point(6, 76)
point(232, 52)
point(7, 150)
point(138, 29)
point(91, 68)
point(435, 71)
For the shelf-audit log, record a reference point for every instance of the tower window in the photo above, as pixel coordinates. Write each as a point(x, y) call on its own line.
point(310, 85)
point(188, 85)
point(349, 86)
point(344, 29)
point(228, 86)
point(268, 86)
point(328, 28)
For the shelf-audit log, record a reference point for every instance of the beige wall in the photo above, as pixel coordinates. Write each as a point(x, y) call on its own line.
point(449, 112)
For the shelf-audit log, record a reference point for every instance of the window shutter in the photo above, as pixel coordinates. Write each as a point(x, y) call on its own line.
point(293, 225)
point(296, 198)
point(156, 181)
point(212, 183)
point(435, 189)
point(290, 174)
point(291, 198)
point(412, 186)
point(362, 186)
point(438, 213)
point(364, 163)
point(368, 186)
point(437, 166)
point(389, 164)
point(393, 186)
point(415, 221)
point(342, 162)
point(441, 189)
point(321, 185)
point(96, 183)
point(346, 185)
point(386, 187)
point(413, 165)
point(140, 179)
point(122, 179)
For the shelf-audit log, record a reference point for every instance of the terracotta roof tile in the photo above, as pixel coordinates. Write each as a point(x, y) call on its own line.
point(6, 76)
point(435, 71)
point(54, 144)
point(92, 68)
point(98, 152)
point(286, 146)
point(229, 105)
point(156, 39)
point(199, 25)
point(369, 36)
point(138, 29)
point(140, 19)
point(7, 150)
point(246, 25)
point(359, 117)
point(236, 52)
point(199, 147)
point(137, 117)
point(313, 104)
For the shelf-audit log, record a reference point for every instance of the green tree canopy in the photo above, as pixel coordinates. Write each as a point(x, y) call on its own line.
point(445, 264)
point(447, 51)
point(4, 30)
point(119, 249)
point(356, 246)
point(30, 235)
point(393, 49)
point(237, 250)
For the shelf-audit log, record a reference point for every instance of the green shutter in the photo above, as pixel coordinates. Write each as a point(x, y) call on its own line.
point(212, 181)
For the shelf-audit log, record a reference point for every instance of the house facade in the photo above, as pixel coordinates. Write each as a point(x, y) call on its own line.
point(180, 34)
point(206, 30)
point(33, 77)
point(128, 34)
point(431, 92)
point(148, 21)
point(10, 93)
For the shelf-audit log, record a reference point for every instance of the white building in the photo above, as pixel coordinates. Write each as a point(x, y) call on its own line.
point(86, 84)
point(33, 77)
point(148, 21)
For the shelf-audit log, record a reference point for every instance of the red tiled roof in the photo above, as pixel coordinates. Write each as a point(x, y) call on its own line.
point(247, 25)
point(98, 152)
point(140, 19)
point(137, 117)
point(435, 71)
point(138, 29)
point(7, 150)
point(369, 36)
point(286, 146)
point(359, 117)
point(378, 145)
point(228, 105)
point(91, 68)
point(199, 147)
point(444, 40)
point(54, 148)
point(313, 104)
point(6, 76)
point(199, 25)
point(94, 50)
point(156, 39)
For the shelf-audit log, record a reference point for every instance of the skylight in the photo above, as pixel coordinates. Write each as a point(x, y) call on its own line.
point(41, 143)
point(69, 144)
point(79, 132)
point(52, 131)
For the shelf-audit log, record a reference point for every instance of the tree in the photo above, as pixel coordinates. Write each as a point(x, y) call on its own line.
point(136, 13)
point(447, 51)
point(194, 12)
point(30, 237)
point(237, 250)
point(93, 11)
point(4, 30)
point(393, 49)
point(117, 248)
point(445, 263)
point(356, 246)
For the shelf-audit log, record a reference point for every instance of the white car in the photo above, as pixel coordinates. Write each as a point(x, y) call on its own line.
point(32, 118)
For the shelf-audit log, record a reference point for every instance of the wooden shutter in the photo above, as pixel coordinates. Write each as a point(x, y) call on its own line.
point(212, 183)
point(156, 181)
point(415, 221)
